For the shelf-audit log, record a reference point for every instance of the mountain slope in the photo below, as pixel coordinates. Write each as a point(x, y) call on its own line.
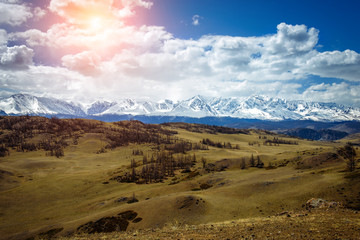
point(323, 134)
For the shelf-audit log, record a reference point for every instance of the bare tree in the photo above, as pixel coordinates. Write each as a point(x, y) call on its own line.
point(349, 154)
point(259, 163)
point(243, 163)
point(203, 160)
point(252, 161)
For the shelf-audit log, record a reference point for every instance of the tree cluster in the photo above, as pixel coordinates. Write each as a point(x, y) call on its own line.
point(161, 165)
point(203, 128)
point(227, 145)
point(277, 141)
point(256, 162)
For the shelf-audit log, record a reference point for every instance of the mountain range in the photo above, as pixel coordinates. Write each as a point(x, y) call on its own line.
point(253, 107)
point(311, 120)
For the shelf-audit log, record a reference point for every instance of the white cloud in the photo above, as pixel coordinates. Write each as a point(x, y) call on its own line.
point(17, 57)
point(47, 81)
point(9, 1)
point(343, 65)
point(340, 92)
point(196, 20)
point(78, 11)
point(3, 38)
point(224, 57)
point(292, 39)
point(33, 37)
point(14, 14)
point(39, 13)
point(86, 63)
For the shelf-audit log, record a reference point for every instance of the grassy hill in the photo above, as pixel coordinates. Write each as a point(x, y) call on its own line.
point(75, 176)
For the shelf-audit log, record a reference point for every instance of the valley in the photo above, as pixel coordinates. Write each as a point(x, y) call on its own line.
point(68, 178)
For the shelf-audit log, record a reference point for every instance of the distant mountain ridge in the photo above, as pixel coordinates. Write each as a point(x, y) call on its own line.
point(253, 107)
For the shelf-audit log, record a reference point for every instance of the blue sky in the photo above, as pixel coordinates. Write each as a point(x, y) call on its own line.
point(155, 49)
point(338, 21)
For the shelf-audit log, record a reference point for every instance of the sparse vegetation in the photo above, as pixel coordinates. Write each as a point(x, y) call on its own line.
point(54, 134)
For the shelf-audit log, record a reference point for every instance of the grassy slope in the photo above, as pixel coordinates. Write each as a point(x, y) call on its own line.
point(68, 192)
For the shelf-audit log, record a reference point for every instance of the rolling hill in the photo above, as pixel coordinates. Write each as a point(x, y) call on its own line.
point(64, 177)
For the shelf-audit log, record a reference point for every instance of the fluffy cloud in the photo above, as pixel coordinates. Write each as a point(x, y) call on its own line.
point(281, 56)
point(86, 63)
point(17, 57)
point(3, 38)
point(291, 40)
point(14, 14)
point(78, 11)
point(47, 81)
point(39, 13)
point(196, 20)
point(341, 92)
point(343, 65)
point(10, 1)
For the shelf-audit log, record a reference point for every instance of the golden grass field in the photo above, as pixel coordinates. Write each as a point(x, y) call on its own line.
point(45, 196)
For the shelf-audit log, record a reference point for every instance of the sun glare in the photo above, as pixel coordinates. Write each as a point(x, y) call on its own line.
point(96, 23)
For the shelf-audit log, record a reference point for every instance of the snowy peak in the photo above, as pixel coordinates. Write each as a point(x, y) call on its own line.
point(253, 107)
point(22, 104)
point(99, 107)
point(196, 106)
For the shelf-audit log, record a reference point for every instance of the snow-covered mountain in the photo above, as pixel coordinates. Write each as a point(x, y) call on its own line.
point(253, 107)
point(22, 104)
point(99, 107)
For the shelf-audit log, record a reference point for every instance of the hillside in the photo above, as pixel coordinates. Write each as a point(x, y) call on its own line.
point(319, 224)
point(74, 176)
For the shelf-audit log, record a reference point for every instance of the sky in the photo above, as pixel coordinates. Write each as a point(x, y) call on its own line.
point(84, 50)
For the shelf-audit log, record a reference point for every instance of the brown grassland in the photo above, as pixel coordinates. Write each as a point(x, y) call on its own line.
point(65, 179)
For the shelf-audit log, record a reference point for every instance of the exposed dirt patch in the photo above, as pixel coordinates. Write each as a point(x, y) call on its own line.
point(189, 203)
point(185, 202)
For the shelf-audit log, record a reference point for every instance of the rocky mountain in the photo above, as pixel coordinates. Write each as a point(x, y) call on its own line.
point(253, 107)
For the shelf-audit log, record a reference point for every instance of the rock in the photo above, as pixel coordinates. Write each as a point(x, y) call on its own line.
point(321, 203)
